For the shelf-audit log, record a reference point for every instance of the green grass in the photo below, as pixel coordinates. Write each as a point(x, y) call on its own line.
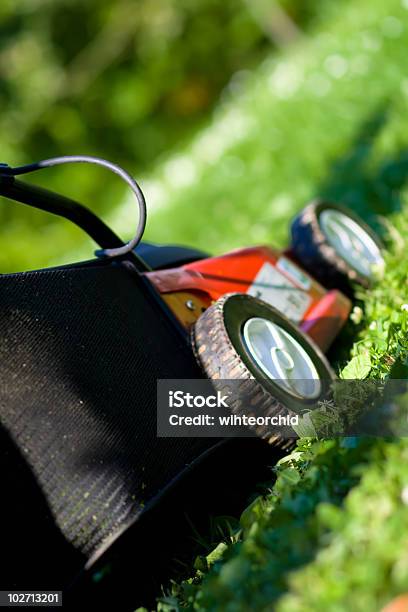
point(326, 118)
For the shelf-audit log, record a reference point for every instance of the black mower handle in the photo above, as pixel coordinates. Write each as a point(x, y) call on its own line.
point(112, 245)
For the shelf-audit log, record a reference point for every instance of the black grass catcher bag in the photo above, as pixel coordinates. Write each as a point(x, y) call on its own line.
point(81, 349)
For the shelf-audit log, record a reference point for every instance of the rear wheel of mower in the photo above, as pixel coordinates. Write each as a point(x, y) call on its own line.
point(336, 245)
point(282, 371)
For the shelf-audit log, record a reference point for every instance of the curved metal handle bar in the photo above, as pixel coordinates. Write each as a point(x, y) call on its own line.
point(130, 181)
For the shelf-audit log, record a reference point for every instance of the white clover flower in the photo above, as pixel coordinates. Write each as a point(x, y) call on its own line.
point(356, 315)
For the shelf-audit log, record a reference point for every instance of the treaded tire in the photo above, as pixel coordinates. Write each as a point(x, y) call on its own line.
point(222, 354)
point(313, 251)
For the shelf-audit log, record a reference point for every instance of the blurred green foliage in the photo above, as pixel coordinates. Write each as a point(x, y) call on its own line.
point(126, 80)
point(326, 116)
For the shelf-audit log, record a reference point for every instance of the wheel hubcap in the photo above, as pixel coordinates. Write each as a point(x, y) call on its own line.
point(351, 242)
point(281, 358)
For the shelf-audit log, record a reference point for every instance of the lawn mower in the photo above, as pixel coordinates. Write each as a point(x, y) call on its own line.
point(84, 344)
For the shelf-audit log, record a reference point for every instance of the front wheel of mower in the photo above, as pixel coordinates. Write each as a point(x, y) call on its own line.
point(282, 372)
point(336, 246)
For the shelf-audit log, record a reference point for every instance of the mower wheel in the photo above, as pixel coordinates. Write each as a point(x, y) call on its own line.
point(336, 246)
point(282, 371)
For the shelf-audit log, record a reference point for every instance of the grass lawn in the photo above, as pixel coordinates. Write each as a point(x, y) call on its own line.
point(327, 118)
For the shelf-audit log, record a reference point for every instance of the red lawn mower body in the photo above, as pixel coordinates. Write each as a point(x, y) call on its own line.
point(272, 275)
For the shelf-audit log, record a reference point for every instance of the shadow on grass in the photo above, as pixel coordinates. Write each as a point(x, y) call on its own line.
point(368, 190)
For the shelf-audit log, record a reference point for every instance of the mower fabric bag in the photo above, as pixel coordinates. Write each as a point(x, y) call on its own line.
point(81, 350)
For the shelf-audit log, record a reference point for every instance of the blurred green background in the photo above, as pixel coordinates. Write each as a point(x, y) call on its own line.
point(132, 81)
point(231, 114)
